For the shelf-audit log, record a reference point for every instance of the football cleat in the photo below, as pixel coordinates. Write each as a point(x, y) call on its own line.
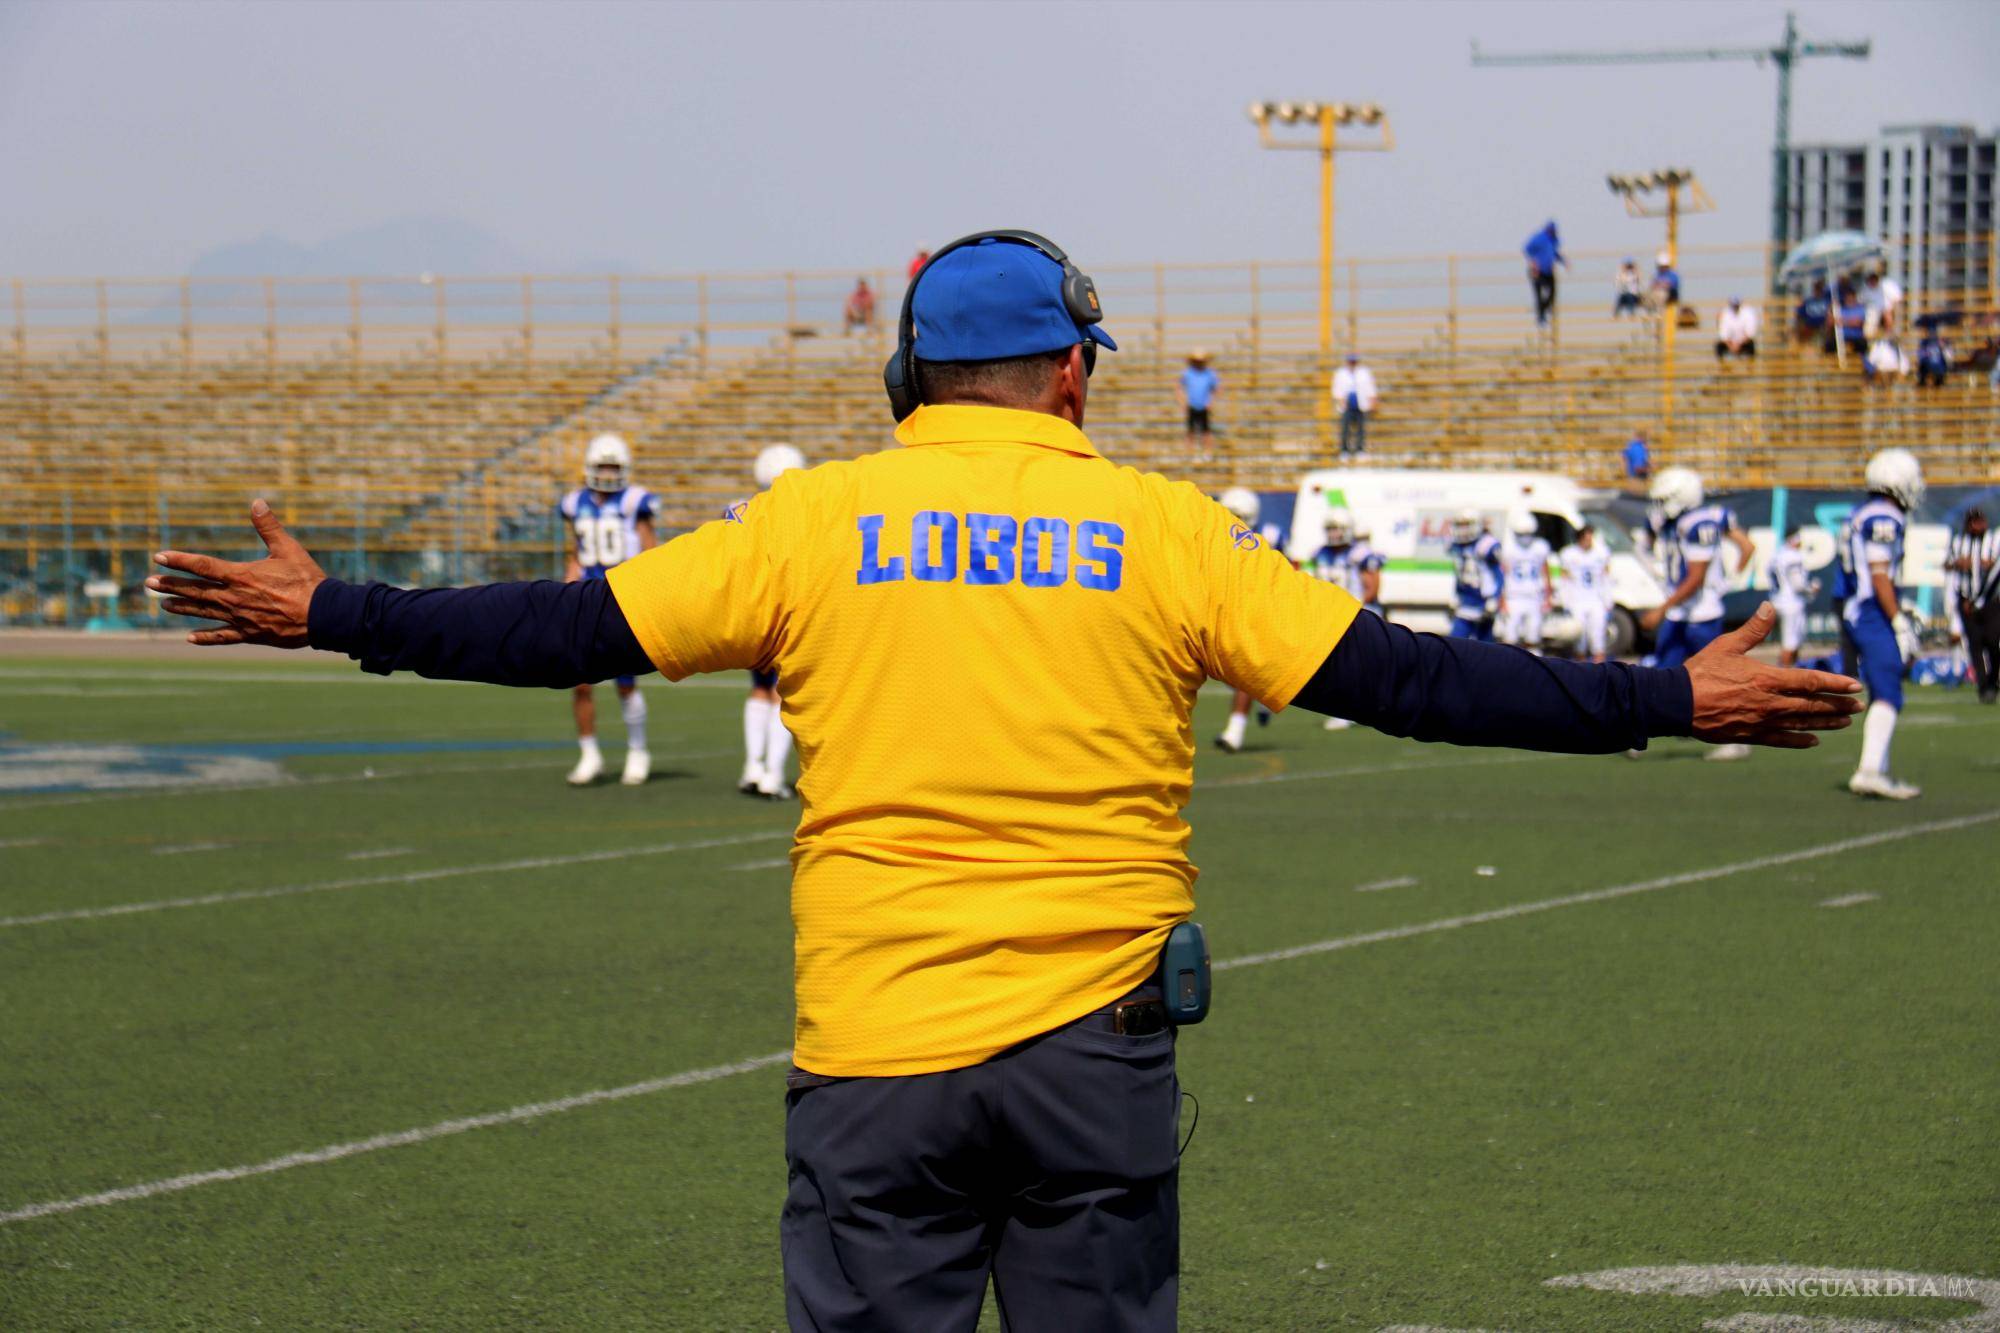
point(752, 779)
point(772, 788)
point(1865, 783)
point(1723, 754)
point(588, 769)
point(638, 767)
point(1228, 746)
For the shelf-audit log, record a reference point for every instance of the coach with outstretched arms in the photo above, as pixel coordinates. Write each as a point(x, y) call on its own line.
point(991, 640)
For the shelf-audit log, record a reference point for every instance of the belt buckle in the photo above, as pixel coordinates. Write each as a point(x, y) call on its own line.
point(1139, 1018)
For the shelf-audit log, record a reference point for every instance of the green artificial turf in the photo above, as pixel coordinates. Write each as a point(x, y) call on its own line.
point(1416, 1130)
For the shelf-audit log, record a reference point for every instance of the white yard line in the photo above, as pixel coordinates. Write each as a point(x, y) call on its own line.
point(771, 864)
point(182, 848)
point(378, 853)
point(1851, 900)
point(305, 675)
point(1615, 891)
point(6, 843)
point(334, 1152)
point(535, 1110)
point(553, 763)
point(407, 877)
point(1399, 882)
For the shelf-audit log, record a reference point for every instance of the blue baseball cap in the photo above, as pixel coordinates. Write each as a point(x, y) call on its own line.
point(995, 299)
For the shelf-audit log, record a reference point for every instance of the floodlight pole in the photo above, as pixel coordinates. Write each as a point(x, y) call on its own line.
point(1328, 116)
point(1669, 181)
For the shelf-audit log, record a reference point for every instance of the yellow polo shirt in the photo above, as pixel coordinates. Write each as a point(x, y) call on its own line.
point(989, 643)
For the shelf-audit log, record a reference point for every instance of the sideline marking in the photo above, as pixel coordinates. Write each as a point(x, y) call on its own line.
point(1851, 900)
point(1400, 882)
point(408, 877)
point(402, 1138)
point(8, 806)
point(534, 1110)
point(1616, 891)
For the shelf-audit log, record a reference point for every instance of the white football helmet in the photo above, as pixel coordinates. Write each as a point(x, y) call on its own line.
point(1897, 474)
point(1465, 525)
point(1339, 527)
point(1522, 523)
point(774, 461)
point(1242, 502)
point(606, 463)
point(1676, 490)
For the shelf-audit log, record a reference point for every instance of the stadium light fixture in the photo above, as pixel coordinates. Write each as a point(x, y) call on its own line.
point(1681, 191)
point(1327, 118)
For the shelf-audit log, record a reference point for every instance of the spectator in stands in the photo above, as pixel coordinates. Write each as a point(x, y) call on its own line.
point(1885, 362)
point(1197, 389)
point(1851, 323)
point(1933, 359)
point(1874, 308)
point(1736, 330)
point(1628, 302)
point(1638, 458)
point(1666, 282)
point(1354, 395)
point(917, 264)
point(1544, 252)
point(860, 307)
point(1810, 320)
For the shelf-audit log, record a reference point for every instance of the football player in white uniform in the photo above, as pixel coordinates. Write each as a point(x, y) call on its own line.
point(1791, 588)
point(1350, 564)
point(610, 521)
point(1586, 591)
point(767, 744)
point(1475, 560)
point(1689, 541)
point(1885, 638)
point(1242, 504)
point(1525, 590)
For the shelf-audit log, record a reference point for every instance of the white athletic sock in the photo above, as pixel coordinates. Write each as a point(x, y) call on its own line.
point(1233, 731)
point(1878, 727)
point(756, 729)
point(777, 744)
point(633, 706)
point(587, 744)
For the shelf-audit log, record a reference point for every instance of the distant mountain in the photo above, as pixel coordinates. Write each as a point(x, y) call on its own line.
point(399, 247)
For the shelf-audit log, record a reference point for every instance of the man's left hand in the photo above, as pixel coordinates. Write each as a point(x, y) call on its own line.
point(1737, 698)
point(263, 601)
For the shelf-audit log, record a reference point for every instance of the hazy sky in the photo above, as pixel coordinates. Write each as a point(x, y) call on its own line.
point(671, 137)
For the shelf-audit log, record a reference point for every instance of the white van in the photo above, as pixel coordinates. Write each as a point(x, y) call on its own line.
point(1407, 513)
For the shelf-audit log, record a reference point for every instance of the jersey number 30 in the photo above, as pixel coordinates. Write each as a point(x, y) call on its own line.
point(600, 541)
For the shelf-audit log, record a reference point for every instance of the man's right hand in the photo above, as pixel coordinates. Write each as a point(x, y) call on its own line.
point(1742, 700)
point(263, 601)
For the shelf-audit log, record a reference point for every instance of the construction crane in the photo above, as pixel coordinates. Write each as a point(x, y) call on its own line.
point(1784, 55)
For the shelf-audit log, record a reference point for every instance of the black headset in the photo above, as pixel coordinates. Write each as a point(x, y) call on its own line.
point(899, 377)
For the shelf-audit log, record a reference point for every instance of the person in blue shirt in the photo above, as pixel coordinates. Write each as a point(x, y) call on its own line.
point(1475, 561)
point(1198, 388)
point(1544, 252)
point(610, 521)
point(1666, 281)
point(1638, 458)
point(1885, 639)
point(1933, 360)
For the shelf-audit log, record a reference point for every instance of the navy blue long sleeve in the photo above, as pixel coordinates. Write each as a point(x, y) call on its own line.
point(542, 633)
point(1470, 693)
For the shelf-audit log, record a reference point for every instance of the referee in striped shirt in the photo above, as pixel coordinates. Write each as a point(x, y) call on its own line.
point(1973, 561)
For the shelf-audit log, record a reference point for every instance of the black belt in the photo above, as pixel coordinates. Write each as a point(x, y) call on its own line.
point(1139, 1014)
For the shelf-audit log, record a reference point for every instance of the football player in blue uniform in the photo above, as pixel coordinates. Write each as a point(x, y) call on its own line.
point(1885, 636)
point(767, 743)
point(1368, 563)
point(1689, 541)
point(1475, 561)
point(1351, 564)
point(610, 521)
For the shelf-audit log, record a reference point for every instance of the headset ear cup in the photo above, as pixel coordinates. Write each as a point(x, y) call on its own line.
point(902, 393)
point(1080, 296)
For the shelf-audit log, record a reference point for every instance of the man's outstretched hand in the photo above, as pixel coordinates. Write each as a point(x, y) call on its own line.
point(1738, 699)
point(264, 601)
